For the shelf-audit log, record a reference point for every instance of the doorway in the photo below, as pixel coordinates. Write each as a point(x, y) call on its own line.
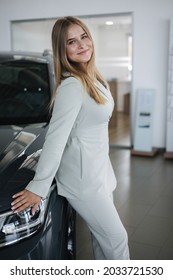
point(112, 36)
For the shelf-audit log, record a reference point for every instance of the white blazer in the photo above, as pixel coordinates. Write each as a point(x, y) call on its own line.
point(76, 148)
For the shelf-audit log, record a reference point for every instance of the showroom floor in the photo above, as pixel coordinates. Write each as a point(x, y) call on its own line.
point(144, 200)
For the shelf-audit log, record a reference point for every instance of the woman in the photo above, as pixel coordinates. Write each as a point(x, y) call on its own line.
point(76, 149)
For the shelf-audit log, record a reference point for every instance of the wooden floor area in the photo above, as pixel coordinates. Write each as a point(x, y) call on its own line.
point(120, 134)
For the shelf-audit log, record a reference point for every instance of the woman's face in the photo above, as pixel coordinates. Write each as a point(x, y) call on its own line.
point(79, 47)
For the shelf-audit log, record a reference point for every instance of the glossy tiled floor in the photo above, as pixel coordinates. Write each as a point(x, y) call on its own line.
point(144, 200)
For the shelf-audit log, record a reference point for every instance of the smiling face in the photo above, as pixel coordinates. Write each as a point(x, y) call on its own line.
point(79, 47)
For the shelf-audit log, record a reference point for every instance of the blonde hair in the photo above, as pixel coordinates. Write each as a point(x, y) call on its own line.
point(62, 65)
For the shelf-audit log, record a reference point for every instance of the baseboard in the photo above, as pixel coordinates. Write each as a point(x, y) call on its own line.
point(152, 153)
point(168, 155)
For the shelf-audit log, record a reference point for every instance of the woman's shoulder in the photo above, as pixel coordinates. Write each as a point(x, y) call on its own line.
point(71, 80)
point(70, 87)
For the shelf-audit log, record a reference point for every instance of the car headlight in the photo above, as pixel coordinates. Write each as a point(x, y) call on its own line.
point(17, 226)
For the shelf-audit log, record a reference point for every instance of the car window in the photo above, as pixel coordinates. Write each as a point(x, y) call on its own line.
point(24, 91)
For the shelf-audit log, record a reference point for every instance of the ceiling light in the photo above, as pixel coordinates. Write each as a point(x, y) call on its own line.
point(109, 22)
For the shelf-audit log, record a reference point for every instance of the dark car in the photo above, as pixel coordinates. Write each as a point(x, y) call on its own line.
point(26, 85)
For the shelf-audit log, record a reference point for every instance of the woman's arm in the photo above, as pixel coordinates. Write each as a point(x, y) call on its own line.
point(67, 105)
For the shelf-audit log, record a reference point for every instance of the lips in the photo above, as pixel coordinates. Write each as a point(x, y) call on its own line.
point(83, 52)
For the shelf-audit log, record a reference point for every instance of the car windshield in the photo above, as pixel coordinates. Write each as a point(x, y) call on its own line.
point(24, 91)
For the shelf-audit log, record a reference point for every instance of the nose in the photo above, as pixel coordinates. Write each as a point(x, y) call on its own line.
point(80, 44)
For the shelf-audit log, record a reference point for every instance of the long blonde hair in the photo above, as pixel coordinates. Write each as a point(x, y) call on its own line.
point(62, 65)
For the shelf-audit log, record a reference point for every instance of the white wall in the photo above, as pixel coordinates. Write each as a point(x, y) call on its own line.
point(31, 35)
point(150, 40)
point(112, 52)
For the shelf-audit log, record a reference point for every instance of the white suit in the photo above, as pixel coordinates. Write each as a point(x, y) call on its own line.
point(76, 153)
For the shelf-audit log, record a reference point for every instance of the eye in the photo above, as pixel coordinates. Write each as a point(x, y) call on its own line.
point(71, 42)
point(84, 36)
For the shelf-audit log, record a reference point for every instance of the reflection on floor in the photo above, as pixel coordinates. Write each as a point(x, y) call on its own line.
point(120, 134)
point(144, 200)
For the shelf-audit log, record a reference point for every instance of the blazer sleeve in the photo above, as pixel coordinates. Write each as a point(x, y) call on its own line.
point(67, 105)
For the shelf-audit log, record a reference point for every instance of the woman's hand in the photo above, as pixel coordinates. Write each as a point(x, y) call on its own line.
point(25, 199)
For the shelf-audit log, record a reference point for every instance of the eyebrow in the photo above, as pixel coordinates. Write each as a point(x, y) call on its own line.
point(71, 39)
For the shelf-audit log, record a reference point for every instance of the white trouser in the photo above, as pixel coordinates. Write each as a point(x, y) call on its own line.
point(109, 237)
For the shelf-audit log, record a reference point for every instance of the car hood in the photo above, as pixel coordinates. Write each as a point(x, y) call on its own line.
point(19, 152)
